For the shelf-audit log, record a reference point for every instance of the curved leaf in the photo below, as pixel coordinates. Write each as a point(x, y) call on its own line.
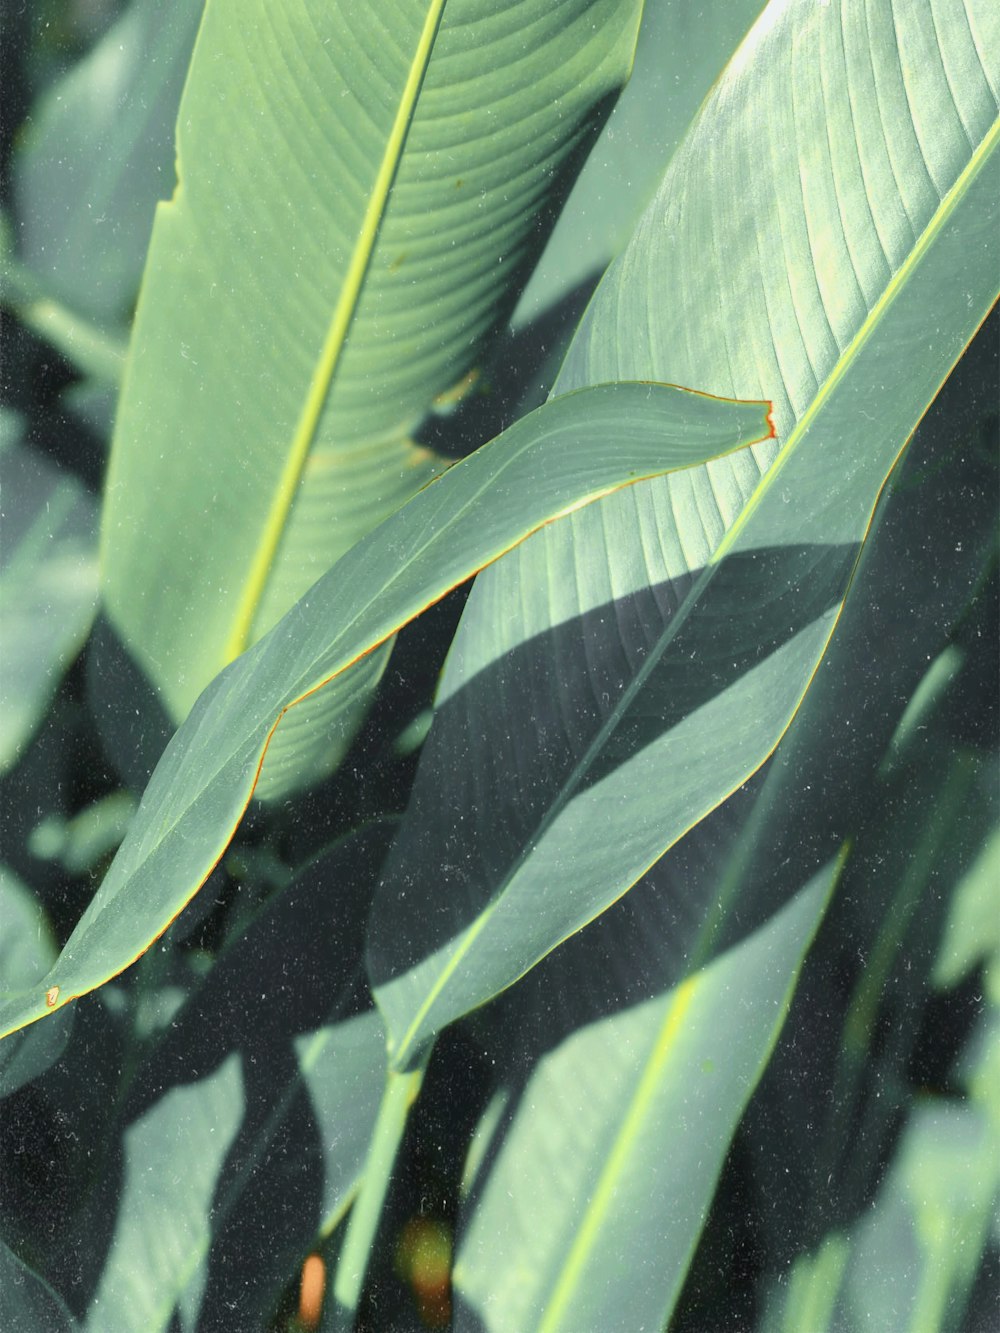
point(568, 453)
point(360, 195)
point(841, 181)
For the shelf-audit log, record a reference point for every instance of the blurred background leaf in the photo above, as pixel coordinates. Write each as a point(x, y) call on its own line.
point(48, 584)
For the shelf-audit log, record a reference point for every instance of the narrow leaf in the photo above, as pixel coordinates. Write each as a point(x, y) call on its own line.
point(569, 452)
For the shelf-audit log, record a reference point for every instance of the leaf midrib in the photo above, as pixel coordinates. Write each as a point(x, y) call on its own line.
point(343, 316)
point(845, 361)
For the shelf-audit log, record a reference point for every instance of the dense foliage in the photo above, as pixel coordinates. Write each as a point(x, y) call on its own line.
point(613, 945)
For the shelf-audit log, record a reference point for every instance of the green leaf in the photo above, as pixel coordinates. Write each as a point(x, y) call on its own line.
point(591, 1211)
point(96, 155)
point(909, 1264)
point(27, 1303)
point(48, 587)
point(569, 452)
point(27, 951)
point(282, 998)
point(173, 1156)
point(647, 657)
point(315, 284)
point(81, 842)
point(680, 52)
point(972, 934)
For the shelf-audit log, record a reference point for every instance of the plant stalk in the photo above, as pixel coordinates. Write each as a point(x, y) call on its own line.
point(401, 1092)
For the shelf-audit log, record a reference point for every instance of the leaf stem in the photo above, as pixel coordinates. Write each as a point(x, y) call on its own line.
point(401, 1092)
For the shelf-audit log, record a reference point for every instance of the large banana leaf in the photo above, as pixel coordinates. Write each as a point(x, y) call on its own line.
point(360, 196)
point(566, 454)
point(589, 1215)
point(841, 181)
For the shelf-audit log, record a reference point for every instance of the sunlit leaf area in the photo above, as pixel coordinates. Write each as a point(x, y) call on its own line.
point(499, 640)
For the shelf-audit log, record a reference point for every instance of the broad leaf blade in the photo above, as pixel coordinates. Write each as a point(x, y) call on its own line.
point(591, 1212)
point(718, 589)
point(568, 453)
point(315, 283)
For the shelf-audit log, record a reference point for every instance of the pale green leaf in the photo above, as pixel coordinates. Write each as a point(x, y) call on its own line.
point(682, 49)
point(173, 1156)
point(909, 1263)
point(361, 195)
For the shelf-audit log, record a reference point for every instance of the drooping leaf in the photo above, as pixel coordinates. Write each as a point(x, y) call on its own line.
point(48, 587)
point(568, 453)
point(315, 284)
point(647, 658)
point(589, 1215)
